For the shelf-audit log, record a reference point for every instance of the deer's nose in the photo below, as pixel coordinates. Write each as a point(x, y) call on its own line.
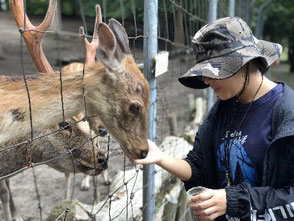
point(102, 160)
point(102, 131)
point(64, 125)
point(144, 154)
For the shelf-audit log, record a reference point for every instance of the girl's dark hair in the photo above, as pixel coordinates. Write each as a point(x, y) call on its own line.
point(261, 64)
point(246, 81)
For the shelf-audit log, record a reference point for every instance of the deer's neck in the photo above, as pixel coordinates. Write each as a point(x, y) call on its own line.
point(46, 103)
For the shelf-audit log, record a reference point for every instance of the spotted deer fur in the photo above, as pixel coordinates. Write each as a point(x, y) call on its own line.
point(114, 89)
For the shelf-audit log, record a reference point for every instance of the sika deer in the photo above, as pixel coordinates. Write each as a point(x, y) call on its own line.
point(114, 89)
point(54, 143)
point(85, 159)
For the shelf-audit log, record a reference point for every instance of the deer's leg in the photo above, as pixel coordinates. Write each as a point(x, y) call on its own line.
point(67, 186)
point(106, 179)
point(96, 190)
point(85, 184)
point(5, 198)
point(15, 216)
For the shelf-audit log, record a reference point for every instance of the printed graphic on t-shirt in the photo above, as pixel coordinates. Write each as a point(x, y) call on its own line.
point(241, 167)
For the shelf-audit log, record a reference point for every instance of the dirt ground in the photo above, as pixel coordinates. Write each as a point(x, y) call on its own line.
point(172, 97)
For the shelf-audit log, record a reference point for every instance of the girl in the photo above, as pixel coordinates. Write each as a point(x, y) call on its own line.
point(244, 150)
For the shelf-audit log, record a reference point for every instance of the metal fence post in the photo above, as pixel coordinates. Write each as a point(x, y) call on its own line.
point(150, 49)
point(231, 12)
point(211, 17)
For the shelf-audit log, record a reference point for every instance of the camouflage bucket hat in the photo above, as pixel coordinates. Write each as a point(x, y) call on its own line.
point(223, 47)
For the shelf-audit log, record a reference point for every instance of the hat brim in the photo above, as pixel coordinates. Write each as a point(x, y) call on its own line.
point(225, 66)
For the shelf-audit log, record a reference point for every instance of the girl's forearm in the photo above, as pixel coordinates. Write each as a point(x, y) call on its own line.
point(177, 167)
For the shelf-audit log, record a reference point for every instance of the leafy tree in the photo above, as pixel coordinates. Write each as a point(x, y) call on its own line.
point(37, 7)
point(279, 26)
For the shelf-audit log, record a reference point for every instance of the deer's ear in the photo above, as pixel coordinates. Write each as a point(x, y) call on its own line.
point(121, 36)
point(107, 47)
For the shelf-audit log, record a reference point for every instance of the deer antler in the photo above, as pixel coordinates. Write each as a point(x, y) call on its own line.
point(33, 35)
point(90, 48)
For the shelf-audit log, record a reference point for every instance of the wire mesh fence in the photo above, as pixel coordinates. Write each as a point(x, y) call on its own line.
point(66, 149)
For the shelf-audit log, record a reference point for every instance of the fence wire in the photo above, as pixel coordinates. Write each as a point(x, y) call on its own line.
point(56, 147)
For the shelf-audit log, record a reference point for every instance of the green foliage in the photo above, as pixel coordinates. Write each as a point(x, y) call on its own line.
point(280, 20)
point(280, 26)
point(114, 9)
point(36, 7)
point(60, 208)
point(4, 5)
point(68, 8)
point(127, 9)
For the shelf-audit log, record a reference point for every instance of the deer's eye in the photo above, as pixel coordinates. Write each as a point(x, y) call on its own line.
point(135, 108)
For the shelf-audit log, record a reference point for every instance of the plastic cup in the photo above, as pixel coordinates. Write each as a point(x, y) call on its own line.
point(194, 191)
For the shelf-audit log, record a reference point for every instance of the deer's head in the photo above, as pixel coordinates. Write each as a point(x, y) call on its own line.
point(82, 160)
point(122, 91)
point(88, 158)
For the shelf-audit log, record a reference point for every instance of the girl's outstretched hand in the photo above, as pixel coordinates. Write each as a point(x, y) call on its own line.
point(154, 155)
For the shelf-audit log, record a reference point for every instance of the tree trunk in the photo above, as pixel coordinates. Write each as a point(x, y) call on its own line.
point(76, 8)
point(179, 28)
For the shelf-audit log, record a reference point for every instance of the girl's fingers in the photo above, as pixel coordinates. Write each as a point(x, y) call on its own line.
point(202, 205)
point(207, 194)
point(206, 212)
point(142, 161)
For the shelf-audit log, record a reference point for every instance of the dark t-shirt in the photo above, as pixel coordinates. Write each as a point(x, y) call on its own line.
point(243, 145)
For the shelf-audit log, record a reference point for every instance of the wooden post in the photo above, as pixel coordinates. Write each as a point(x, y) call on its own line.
point(173, 125)
point(191, 100)
point(1, 53)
